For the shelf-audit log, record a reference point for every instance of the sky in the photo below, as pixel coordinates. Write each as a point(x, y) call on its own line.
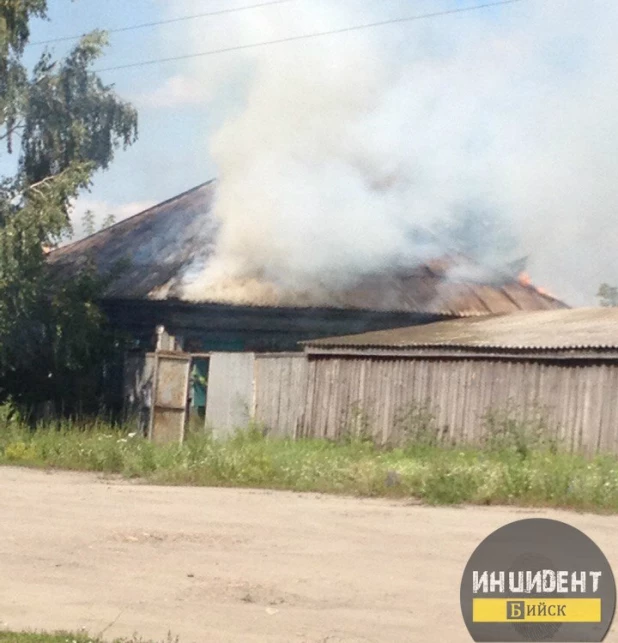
point(166, 159)
point(510, 107)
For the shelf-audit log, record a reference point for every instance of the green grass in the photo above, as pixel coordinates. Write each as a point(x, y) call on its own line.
point(502, 473)
point(61, 637)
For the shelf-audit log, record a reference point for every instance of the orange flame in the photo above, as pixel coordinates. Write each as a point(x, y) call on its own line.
point(524, 280)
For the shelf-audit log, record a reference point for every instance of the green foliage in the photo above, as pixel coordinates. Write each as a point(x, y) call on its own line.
point(357, 427)
point(66, 637)
point(88, 222)
point(506, 430)
point(62, 124)
point(433, 474)
point(71, 115)
point(608, 295)
point(14, 23)
point(109, 221)
point(416, 425)
point(447, 485)
point(14, 33)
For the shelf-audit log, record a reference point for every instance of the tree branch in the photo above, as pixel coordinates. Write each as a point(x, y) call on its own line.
point(10, 131)
point(35, 186)
point(47, 179)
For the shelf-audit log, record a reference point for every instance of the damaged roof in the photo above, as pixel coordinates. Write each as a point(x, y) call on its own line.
point(161, 245)
point(577, 328)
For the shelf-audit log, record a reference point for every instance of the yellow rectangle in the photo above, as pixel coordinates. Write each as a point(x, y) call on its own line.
point(536, 610)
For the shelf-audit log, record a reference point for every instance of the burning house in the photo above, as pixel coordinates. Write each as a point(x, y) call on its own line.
point(158, 258)
point(157, 251)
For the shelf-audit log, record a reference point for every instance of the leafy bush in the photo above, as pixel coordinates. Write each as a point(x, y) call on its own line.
point(506, 430)
point(416, 425)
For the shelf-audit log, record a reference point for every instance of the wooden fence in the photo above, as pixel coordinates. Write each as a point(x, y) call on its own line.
point(574, 402)
point(267, 387)
point(280, 385)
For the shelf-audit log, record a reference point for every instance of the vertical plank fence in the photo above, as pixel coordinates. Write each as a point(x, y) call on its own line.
point(280, 391)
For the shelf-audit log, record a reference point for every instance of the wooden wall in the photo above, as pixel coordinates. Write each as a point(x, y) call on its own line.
point(220, 327)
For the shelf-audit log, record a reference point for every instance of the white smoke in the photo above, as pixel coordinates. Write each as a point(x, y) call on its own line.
point(336, 146)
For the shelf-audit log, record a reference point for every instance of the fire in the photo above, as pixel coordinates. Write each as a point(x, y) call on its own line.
point(524, 280)
point(252, 292)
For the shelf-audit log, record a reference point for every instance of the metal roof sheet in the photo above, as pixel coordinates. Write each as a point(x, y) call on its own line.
point(577, 328)
point(163, 242)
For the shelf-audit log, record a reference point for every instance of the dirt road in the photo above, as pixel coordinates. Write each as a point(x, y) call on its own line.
point(80, 551)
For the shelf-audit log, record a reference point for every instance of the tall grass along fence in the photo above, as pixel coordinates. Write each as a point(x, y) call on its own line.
point(511, 468)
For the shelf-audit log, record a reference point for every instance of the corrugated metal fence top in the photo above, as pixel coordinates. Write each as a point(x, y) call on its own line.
point(578, 328)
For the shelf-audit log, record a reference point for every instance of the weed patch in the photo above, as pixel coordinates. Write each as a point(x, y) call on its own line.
point(508, 469)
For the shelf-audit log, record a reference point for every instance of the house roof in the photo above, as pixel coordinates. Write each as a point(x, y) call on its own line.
point(163, 242)
point(578, 328)
point(159, 243)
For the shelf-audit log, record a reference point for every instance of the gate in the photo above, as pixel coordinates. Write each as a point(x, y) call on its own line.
point(227, 391)
point(168, 414)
